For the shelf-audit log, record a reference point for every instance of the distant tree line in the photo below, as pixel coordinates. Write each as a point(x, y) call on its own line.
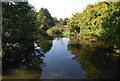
point(44, 19)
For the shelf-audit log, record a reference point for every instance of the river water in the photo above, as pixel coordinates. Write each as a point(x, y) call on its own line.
point(64, 58)
point(59, 62)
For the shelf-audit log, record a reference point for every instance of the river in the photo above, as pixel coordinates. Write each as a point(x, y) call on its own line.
point(66, 58)
point(59, 62)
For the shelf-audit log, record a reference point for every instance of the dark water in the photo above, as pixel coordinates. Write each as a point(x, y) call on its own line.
point(62, 58)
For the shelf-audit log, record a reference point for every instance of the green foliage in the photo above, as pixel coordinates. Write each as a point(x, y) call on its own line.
point(58, 30)
point(63, 21)
point(41, 39)
point(100, 21)
point(18, 28)
point(56, 21)
point(44, 19)
point(73, 27)
point(18, 21)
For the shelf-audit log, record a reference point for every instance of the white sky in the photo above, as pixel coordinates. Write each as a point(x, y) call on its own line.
point(62, 8)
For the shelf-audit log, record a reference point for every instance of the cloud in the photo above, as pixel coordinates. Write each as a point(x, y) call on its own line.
point(70, 56)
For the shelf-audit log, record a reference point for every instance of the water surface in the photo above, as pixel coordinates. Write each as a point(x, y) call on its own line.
point(60, 58)
point(59, 62)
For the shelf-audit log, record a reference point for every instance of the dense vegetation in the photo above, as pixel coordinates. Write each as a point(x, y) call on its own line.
point(18, 30)
point(22, 23)
point(18, 21)
point(44, 19)
point(100, 21)
point(59, 28)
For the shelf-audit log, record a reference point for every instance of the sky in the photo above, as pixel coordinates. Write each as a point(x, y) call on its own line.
point(62, 8)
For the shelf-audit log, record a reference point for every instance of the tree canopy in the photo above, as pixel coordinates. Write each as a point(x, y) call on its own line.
point(18, 21)
point(100, 21)
point(44, 19)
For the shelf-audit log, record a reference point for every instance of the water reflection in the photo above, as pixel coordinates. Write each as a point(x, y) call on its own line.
point(59, 63)
point(44, 41)
point(98, 62)
point(59, 58)
point(22, 61)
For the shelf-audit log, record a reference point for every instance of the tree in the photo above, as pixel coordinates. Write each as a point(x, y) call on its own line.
point(44, 19)
point(18, 21)
point(18, 28)
point(99, 21)
point(56, 20)
point(65, 21)
point(73, 25)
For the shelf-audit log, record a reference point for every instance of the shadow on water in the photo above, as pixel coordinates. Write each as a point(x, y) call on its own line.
point(22, 61)
point(97, 61)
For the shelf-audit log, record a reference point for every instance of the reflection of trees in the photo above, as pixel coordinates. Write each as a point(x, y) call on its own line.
point(98, 62)
point(44, 41)
point(45, 45)
point(22, 56)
